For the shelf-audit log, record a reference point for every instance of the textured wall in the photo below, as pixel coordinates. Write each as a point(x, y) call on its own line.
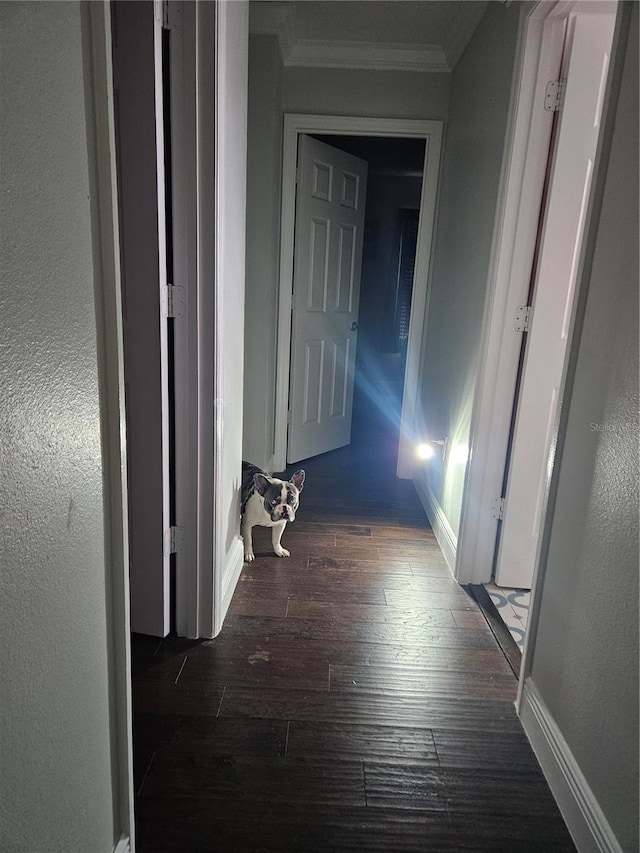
point(473, 146)
point(585, 659)
point(55, 792)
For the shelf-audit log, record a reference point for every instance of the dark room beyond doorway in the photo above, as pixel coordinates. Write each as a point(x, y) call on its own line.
point(391, 222)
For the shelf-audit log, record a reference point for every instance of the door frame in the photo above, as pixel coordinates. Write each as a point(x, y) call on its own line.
point(103, 180)
point(538, 57)
point(431, 132)
point(206, 116)
point(585, 66)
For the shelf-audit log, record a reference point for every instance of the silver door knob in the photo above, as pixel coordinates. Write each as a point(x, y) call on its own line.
point(354, 326)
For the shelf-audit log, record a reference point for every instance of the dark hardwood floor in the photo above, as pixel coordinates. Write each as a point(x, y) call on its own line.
point(356, 699)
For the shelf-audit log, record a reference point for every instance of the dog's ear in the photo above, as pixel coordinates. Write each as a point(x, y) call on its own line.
point(261, 483)
point(298, 479)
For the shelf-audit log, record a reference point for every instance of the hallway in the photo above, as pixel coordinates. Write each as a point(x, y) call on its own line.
point(355, 699)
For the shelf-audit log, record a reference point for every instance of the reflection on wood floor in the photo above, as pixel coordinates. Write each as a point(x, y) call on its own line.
point(355, 700)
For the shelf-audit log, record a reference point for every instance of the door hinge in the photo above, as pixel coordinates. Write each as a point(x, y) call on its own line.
point(172, 300)
point(554, 96)
point(522, 321)
point(289, 416)
point(497, 509)
point(173, 540)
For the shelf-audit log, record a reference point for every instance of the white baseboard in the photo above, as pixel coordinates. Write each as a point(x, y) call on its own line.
point(123, 846)
point(447, 539)
point(585, 819)
point(230, 577)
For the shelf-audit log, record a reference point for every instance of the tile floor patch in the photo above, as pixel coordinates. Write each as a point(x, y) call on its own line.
point(513, 608)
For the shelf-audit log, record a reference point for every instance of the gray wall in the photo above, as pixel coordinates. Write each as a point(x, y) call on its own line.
point(383, 94)
point(585, 657)
point(264, 169)
point(56, 781)
point(473, 145)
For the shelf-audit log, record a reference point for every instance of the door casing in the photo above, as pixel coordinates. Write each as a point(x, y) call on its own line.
point(585, 64)
point(431, 132)
point(208, 79)
point(538, 58)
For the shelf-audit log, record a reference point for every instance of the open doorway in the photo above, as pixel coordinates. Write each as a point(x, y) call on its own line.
point(394, 190)
point(554, 191)
point(393, 316)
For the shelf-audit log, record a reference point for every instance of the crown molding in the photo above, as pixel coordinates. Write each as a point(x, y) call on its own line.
point(369, 56)
point(277, 19)
point(468, 17)
point(274, 19)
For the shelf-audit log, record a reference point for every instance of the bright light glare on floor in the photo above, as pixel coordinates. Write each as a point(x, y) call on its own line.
point(424, 451)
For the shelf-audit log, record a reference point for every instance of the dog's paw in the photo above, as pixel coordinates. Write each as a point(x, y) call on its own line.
point(249, 557)
point(282, 552)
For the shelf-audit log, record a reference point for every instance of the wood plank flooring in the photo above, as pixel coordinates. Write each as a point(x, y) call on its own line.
point(355, 700)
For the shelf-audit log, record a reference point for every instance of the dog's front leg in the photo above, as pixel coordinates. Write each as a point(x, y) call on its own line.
point(248, 543)
point(276, 535)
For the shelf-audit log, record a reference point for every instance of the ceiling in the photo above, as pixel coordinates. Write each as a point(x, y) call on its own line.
point(407, 35)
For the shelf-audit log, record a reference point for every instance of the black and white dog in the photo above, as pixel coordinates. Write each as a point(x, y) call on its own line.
point(268, 502)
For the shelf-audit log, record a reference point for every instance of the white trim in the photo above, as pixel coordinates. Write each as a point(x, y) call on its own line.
point(97, 41)
point(204, 54)
point(279, 20)
point(230, 578)
point(211, 53)
point(442, 530)
point(559, 430)
point(269, 466)
point(225, 33)
point(295, 124)
point(585, 819)
point(523, 171)
point(274, 19)
point(123, 846)
point(368, 56)
point(106, 240)
point(162, 625)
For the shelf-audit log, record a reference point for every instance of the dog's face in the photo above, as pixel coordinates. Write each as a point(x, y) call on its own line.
point(280, 498)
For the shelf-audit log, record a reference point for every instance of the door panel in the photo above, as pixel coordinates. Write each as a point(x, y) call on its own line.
point(585, 64)
point(140, 149)
point(339, 378)
point(326, 286)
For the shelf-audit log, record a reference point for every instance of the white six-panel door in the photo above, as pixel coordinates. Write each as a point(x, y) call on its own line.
point(330, 208)
point(585, 64)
